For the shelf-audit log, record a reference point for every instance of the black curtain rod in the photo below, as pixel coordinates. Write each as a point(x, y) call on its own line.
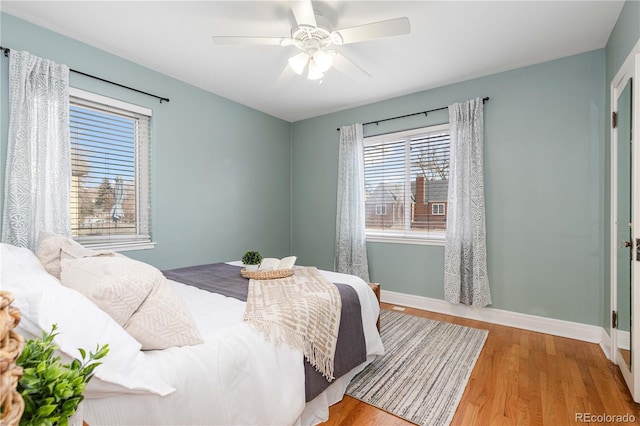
point(377, 122)
point(6, 54)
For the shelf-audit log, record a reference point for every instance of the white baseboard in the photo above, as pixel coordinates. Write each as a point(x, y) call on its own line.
point(605, 344)
point(624, 342)
point(624, 339)
point(572, 330)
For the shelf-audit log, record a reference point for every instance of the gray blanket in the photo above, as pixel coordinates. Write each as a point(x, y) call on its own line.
point(351, 348)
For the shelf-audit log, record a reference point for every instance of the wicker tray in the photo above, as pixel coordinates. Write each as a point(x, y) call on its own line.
point(266, 275)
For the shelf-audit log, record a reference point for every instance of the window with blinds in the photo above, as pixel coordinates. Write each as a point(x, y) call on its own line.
point(406, 176)
point(110, 197)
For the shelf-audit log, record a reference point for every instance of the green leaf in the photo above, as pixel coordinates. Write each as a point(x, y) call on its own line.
point(29, 406)
point(71, 404)
point(45, 410)
point(76, 365)
point(53, 372)
point(50, 387)
point(26, 353)
point(83, 353)
point(63, 391)
point(79, 389)
point(104, 350)
point(88, 370)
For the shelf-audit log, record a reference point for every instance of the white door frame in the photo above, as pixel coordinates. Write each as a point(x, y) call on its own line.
point(630, 69)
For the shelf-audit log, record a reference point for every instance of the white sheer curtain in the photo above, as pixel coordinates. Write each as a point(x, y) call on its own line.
point(465, 256)
point(38, 169)
point(351, 247)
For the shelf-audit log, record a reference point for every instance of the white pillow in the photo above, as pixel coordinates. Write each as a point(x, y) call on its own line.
point(52, 247)
point(43, 301)
point(136, 295)
point(117, 285)
point(163, 320)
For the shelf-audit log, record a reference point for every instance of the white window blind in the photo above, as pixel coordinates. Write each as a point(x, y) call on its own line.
point(407, 172)
point(110, 196)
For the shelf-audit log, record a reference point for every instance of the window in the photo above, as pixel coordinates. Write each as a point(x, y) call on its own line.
point(381, 210)
point(407, 173)
point(437, 209)
point(110, 198)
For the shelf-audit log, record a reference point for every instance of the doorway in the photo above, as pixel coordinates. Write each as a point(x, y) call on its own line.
point(624, 229)
point(625, 217)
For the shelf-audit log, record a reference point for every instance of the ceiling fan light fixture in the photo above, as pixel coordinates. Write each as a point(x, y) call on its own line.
point(299, 62)
point(315, 73)
point(323, 60)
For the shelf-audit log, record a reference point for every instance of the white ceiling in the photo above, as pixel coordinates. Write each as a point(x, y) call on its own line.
point(450, 41)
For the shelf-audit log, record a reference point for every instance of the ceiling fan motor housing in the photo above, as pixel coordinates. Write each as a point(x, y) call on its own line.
point(309, 37)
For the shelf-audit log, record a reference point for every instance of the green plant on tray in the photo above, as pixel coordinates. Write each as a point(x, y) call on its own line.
point(251, 258)
point(50, 388)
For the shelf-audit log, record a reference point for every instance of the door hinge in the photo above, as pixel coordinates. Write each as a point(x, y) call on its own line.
point(614, 119)
point(614, 319)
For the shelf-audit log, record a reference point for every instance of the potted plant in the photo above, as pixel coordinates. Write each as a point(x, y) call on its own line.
point(251, 259)
point(51, 389)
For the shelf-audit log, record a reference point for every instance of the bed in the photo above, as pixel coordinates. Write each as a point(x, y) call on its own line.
point(235, 376)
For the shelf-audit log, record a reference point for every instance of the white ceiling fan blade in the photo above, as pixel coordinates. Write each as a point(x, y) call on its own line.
point(392, 27)
point(348, 67)
point(303, 12)
point(275, 41)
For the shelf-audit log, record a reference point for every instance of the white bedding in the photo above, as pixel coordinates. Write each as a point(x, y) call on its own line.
point(235, 377)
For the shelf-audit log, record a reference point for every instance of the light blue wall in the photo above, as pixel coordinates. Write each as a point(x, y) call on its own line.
point(624, 37)
point(214, 162)
point(544, 133)
point(545, 174)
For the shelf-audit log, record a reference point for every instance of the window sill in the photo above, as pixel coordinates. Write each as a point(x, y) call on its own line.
point(403, 239)
point(120, 246)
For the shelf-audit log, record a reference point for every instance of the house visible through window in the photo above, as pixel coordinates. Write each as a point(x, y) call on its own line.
point(110, 201)
point(407, 177)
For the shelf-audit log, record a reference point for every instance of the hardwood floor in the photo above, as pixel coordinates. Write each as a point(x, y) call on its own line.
point(522, 378)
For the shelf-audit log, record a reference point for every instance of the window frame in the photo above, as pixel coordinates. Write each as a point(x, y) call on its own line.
point(138, 241)
point(440, 206)
point(405, 237)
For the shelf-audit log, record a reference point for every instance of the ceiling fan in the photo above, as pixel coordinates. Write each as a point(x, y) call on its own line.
point(315, 39)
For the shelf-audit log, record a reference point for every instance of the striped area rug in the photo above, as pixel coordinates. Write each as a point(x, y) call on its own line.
point(426, 367)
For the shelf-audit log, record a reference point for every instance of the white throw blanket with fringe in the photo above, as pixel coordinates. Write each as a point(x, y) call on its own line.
point(302, 310)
